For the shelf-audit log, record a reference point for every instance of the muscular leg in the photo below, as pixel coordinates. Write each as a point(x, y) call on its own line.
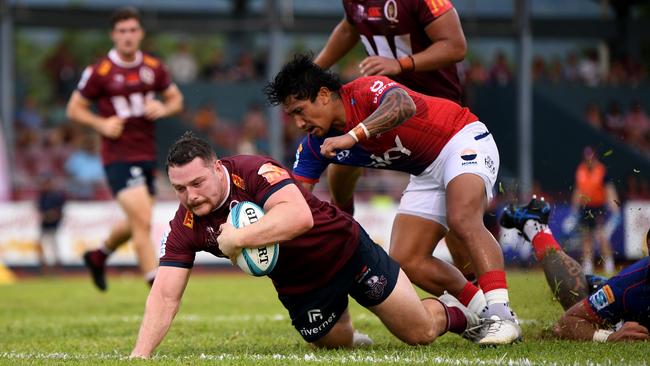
point(409, 319)
point(461, 257)
point(466, 202)
point(137, 204)
point(119, 235)
point(413, 239)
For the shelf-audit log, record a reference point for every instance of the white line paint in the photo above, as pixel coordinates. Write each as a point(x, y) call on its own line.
point(352, 358)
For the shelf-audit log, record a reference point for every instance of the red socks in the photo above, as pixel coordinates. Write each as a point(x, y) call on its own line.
point(544, 242)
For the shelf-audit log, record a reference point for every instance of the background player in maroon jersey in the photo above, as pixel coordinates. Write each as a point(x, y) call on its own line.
point(124, 84)
point(415, 42)
point(324, 254)
point(451, 156)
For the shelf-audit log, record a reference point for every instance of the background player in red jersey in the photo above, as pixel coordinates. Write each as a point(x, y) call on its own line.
point(451, 156)
point(415, 42)
point(324, 254)
point(124, 84)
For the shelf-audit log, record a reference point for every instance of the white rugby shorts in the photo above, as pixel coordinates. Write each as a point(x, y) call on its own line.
point(470, 150)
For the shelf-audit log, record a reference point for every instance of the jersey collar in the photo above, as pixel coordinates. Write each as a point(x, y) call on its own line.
point(225, 198)
point(117, 60)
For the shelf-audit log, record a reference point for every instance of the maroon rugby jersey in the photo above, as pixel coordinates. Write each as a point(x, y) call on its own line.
point(121, 88)
point(394, 29)
point(304, 263)
point(416, 143)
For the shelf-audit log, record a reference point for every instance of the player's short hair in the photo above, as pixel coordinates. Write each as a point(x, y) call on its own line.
point(302, 79)
point(125, 13)
point(187, 148)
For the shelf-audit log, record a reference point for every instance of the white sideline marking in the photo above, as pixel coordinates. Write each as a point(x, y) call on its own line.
point(311, 357)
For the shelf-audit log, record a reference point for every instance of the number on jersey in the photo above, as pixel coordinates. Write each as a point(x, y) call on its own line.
point(131, 107)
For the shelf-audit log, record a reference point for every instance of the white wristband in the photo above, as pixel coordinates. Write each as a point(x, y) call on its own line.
point(354, 136)
point(365, 130)
point(601, 335)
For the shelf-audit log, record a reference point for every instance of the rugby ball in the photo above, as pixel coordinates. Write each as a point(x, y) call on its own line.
point(254, 261)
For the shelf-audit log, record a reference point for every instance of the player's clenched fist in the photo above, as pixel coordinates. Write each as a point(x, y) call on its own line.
point(331, 144)
point(154, 109)
point(112, 127)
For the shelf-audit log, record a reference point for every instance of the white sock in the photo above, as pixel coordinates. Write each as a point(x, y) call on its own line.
point(587, 267)
point(477, 303)
point(497, 296)
point(532, 228)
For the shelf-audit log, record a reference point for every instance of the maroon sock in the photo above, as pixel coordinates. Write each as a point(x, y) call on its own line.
point(456, 321)
point(98, 257)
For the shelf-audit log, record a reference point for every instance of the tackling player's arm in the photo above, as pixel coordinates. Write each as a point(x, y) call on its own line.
point(78, 110)
point(172, 104)
point(396, 107)
point(287, 215)
point(580, 322)
point(161, 308)
point(448, 46)
point(343, 38)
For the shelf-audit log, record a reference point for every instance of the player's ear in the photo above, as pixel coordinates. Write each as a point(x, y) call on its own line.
point(325, 94)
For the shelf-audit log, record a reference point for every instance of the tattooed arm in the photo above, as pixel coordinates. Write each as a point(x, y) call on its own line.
point(396, 107)
point(565, 278)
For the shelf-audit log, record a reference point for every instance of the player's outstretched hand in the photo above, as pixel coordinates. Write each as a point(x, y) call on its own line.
point(630, 331)
point(377, 65)
point(154, 109)
point(331, 144)
point(112, 127)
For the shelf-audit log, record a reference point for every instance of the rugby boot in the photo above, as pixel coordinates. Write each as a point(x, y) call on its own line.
point(516, 217)
point(95, 261)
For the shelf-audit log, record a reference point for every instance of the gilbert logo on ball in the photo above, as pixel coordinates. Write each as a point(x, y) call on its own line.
point(254, 261)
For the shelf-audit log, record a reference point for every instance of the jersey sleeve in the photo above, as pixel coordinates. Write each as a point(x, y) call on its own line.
point(430, 10)
point(309, 163)
point(163, 78)
point(90, 84)
point(370, 92)
point(607, 302)
point(266, 177)
point(176, 246)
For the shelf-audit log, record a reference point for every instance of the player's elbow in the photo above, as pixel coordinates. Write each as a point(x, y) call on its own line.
point(458, 50)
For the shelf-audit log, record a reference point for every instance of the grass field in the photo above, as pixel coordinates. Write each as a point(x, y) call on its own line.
point(230, 319)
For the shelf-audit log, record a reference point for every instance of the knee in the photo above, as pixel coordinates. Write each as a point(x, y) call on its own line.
point(409, 262)
point(420, 336)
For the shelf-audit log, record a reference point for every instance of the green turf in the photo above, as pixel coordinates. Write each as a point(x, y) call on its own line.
point(236, 320)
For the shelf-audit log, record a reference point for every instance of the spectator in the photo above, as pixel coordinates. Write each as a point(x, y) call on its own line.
point(214, 69)
point(50, 209)
point(555, 71)
point(244, 68)
point(593, 115)
point(205, 118)
point(614, 120)
point(28, 116)
point(588, 69)
point(61, 68)
point(254, 131)
point(570, 70)
point(637, 125)
point(182, 64)
point(476, 73)
point(538, 70)
point(85, 169)
point(500, 73)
